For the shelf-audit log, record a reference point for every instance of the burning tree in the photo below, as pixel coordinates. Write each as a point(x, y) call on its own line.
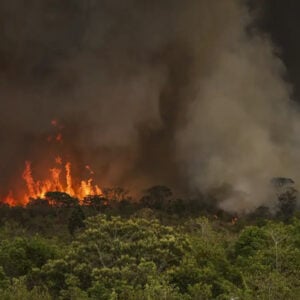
point(58, 189)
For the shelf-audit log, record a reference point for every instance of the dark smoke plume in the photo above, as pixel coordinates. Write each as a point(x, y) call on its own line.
point(184, 93)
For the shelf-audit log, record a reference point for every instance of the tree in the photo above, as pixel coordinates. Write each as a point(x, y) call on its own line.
point(76, 220)
point(287, 196)
point(111, 254)
point(261, 214)
point(116, 194)
point(19, 255)
point(287, 203)
point(269, 261)
point(37, 203)
point(206, 265)
point(97, 202)
point(251, 240)
point(61, 200)
point(156, 197)
point(19, 291)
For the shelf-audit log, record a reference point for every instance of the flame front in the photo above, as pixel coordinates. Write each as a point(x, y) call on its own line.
point(60, 180)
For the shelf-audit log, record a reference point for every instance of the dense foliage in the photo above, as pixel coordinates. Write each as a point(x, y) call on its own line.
point(159, 248)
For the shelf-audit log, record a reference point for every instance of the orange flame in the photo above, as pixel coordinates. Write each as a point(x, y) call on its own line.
point(58, 160)
point(60, 180)
point(10, 200)
point(69, 189)
point(27, 176)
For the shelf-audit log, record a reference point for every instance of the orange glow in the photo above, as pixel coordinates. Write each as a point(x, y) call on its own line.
point(31, 185)
point(59, 138)
point(88, 188)
point(10, 200)
point(59, 180)
point(54, 122)
point(58, 160)
point(69, 190)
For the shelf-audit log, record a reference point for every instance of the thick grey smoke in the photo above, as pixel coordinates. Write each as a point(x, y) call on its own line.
point(243, 128)
point(183, 93)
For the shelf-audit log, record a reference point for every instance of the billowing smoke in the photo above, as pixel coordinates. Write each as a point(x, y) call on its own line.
point(184, 93)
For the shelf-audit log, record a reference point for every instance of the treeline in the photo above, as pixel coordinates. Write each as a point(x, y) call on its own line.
point(59, 212)
point(139, 258)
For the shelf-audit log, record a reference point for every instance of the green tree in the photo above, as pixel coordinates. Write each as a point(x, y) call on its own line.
point(206, 265)
point(18, 290)
point(269, 261)
point(110, 254)
point(251, 239)
point(19, 255)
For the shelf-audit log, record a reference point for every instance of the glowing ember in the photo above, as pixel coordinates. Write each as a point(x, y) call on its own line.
point(54, 122)
point(60, 180)
point(89, 169)
point(59, 138)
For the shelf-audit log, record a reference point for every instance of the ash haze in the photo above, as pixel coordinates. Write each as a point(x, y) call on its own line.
point(190, 94)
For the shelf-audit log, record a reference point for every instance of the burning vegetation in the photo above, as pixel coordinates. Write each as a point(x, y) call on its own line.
point(60, 186)
point(59, 180)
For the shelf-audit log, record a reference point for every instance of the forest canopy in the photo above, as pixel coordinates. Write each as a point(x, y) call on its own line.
point(161, 247)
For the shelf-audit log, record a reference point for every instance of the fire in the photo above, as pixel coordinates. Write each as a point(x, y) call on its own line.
point(58, 160)
point(10, 200)
point(69, 190)
point(60, 180)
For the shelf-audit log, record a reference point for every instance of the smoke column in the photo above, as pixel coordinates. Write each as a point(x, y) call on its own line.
point(184, 93)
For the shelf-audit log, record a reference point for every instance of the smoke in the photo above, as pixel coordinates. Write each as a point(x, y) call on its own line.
point(187, 94)
point(243, 127)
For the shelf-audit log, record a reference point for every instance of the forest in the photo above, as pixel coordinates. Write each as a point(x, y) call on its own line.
point(160, 247)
